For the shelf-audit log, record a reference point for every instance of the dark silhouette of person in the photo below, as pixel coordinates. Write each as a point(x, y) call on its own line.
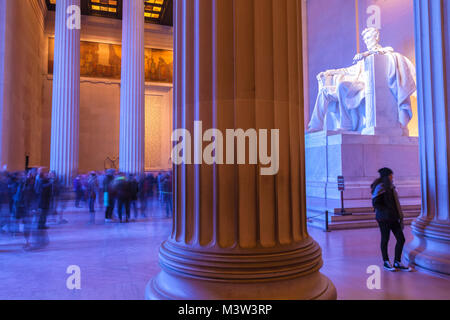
point(123, 194)
point(389, 216)
point(109, 195)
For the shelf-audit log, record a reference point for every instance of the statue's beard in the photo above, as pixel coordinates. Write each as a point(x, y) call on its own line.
point(372, 44)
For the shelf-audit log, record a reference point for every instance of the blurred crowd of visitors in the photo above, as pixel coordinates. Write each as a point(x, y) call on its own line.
point(29, 199)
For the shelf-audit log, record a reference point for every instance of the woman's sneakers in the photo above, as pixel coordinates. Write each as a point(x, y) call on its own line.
point(387, 266)
point(398, 266)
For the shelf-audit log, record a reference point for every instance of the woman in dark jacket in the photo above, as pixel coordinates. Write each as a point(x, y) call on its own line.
point(389, 216)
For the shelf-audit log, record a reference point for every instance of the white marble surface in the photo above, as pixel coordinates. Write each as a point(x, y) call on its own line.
point(371, 97)
point(358, 158)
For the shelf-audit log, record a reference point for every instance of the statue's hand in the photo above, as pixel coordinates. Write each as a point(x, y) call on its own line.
point(328, 73)
point(358, 57)
point(385, 50)
point(320, 76)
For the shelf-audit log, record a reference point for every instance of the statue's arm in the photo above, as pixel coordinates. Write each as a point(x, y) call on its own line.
point(386, 50)
point(331, 73)
point(362, 56)
point(353, 70)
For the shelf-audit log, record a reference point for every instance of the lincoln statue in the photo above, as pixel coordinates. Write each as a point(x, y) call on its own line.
point(342, 103)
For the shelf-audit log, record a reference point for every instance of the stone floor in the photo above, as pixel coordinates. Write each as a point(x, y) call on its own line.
point(117, 260)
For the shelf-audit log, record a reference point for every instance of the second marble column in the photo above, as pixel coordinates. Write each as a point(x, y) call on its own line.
point(66, 92)
point(132, 99)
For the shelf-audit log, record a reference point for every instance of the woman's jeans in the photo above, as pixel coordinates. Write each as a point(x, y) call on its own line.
point(386, 227)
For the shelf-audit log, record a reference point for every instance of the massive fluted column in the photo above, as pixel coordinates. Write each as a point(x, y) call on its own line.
point(3, 9)
point(237, 234)
point(430, 249)
point(66, 92)
point(132, 102)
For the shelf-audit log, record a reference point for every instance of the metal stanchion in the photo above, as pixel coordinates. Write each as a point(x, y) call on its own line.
point(341, 188)
point(326, 222)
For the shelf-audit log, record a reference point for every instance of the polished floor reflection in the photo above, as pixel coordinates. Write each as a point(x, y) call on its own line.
point(117, 260)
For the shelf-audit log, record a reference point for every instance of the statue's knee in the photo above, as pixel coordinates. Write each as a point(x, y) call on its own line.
point(343, 85)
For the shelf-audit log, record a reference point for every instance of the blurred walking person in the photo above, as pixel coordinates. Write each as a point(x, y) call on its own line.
point(134, 191)
point(159, 180)
point(142, 194)
point(12, 189)
point(3, 200)
point(150, 181)
point(78, 188)
point(109, 196)
point(123, 193)
point(167, 194)
point(44, 196)
point(22, 207)
point(92, 189)
point(53, 208)
point(100, 191)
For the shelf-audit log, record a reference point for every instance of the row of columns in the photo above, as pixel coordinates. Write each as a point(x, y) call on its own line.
point(64, 155)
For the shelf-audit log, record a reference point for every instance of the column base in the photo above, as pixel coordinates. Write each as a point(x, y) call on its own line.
point(168, 286)
point(241, 274)
point(430, 249)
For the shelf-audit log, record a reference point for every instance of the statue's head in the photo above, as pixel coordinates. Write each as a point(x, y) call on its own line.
point(371, 37)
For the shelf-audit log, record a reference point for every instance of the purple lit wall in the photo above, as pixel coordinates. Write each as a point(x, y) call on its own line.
point(331, 39)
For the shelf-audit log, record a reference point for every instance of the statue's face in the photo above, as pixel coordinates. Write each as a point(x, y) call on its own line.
point(371, 40)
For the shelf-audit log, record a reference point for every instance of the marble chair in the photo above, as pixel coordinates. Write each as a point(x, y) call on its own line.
point(382, 113)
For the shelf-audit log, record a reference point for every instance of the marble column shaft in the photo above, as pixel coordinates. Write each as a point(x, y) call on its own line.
point(430, 249)
point(132, 91)
point(66, 95)
point(3, 152)
point(238, 234)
